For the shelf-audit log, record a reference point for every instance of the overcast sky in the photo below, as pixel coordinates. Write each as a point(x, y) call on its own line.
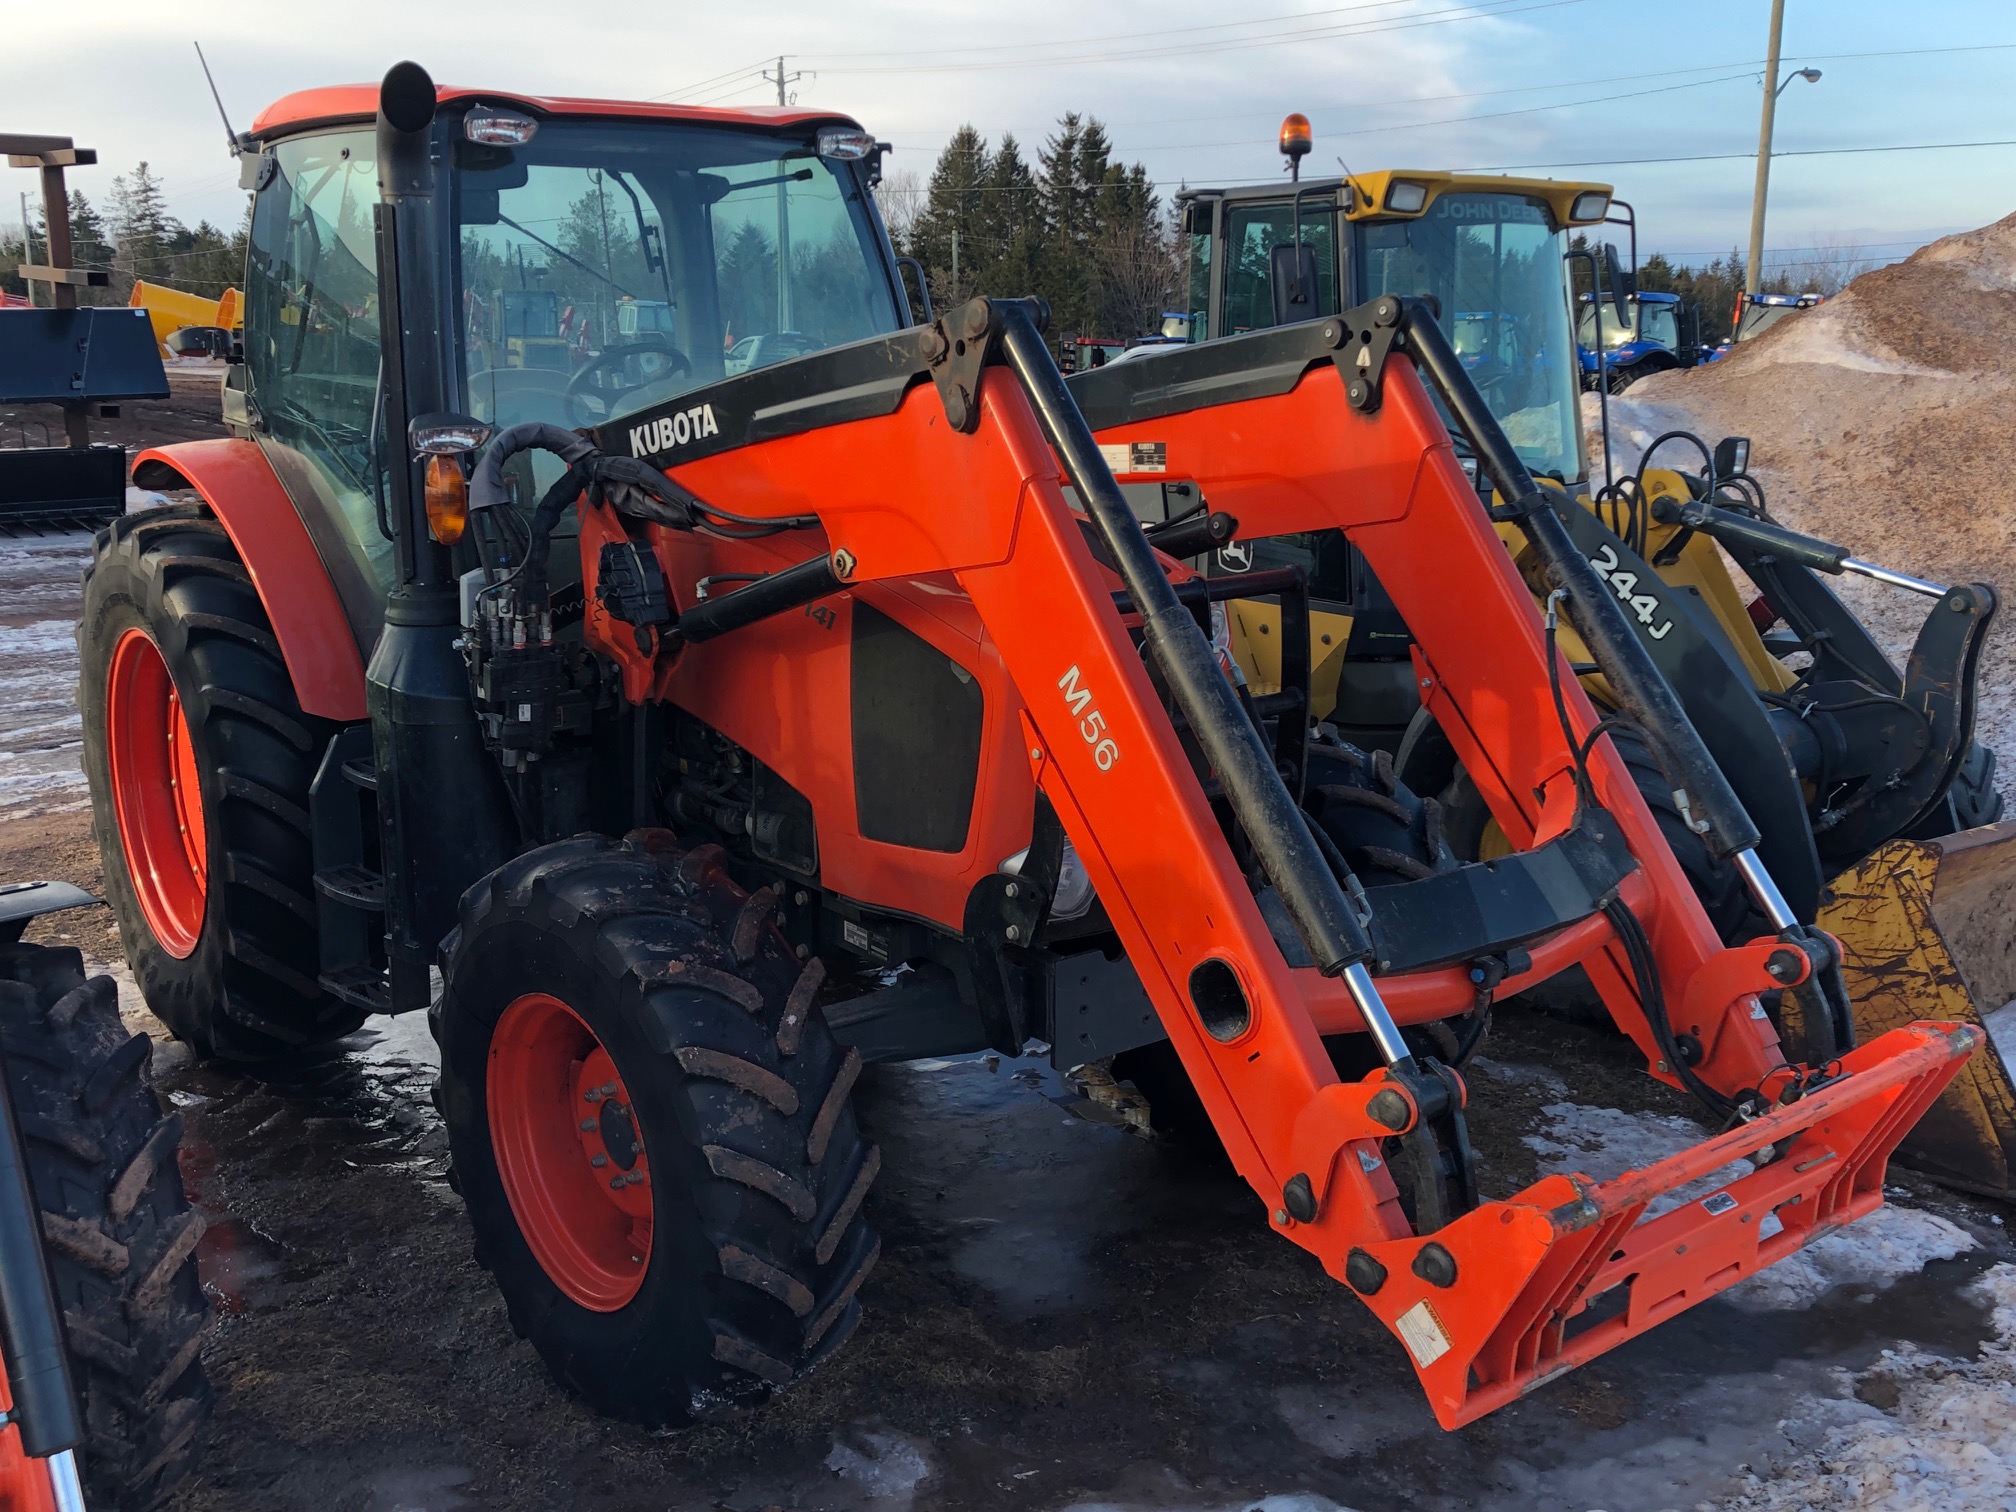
point(1185, 90)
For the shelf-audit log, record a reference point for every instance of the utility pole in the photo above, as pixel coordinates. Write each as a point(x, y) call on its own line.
point(780, 79)
point(1751, 273)
point(955, 267)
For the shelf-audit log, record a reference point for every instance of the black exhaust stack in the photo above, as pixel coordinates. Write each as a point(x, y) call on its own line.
point(444, 816)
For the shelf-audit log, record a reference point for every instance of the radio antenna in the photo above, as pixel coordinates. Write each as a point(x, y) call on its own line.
point(237, 145)
point(1350, 180)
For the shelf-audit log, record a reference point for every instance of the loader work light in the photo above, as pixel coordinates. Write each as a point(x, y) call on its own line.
point(1406, 198)
point(1591, 206)
point(499, 128)
point(846, 143)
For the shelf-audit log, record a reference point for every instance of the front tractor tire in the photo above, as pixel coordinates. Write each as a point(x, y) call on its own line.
point(652, 1129)
point(199, 760)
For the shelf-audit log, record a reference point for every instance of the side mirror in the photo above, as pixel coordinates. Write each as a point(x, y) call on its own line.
point(1619, 294)
point(1292, 273)
point(1197, 217)
point(1732, 456)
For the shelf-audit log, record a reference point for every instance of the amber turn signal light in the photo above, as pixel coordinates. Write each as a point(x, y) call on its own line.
point(447, 496)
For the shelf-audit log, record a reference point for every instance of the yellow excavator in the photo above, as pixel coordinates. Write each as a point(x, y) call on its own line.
point(174, 311)
point(1879, 809)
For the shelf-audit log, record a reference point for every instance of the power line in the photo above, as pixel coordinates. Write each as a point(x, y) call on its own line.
point(1723, 157)
point(699, 84)
point(1485, 94)
point(1432, 18)
point(1495, 115)
point(1302, 16)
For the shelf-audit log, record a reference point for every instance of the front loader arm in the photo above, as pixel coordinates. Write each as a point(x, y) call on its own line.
point(967, 480)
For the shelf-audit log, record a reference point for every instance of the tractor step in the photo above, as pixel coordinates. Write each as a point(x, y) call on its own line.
point(1544, 1281)
point(356, 886)
point(360, 987)
point(361, 772)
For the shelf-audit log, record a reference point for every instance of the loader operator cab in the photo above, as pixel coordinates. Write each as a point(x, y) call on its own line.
point(590, 265)
point(1487, 251)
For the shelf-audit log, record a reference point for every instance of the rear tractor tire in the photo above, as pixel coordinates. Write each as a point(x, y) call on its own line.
point(118, 1233)
point(652, 1128)
point(199, 760)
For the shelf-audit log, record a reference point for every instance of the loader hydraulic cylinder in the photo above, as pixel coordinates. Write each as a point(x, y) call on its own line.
point(1336, 936)
point(1645, 694)
point(38, 1371)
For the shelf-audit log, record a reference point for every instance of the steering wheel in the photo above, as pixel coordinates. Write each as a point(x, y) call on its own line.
point(614, 359)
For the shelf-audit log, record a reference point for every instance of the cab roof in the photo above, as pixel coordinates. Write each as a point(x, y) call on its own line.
point(1560, 194)
point(359, 102)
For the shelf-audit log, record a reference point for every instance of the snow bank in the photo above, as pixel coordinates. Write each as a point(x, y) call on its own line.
point(1948, 1445)
point(1879, 420)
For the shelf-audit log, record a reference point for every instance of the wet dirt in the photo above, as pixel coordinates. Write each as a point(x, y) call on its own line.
point(1065, 1315)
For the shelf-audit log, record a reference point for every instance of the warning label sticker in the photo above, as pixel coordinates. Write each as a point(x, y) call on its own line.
point(1136, 456)
point(1423, 1334)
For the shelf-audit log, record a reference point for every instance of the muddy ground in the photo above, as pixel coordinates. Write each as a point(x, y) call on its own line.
point(1065, 1315)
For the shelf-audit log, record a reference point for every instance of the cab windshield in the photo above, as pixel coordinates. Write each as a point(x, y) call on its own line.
point(1492, 263)
point(1759, 318)
point(606, 267)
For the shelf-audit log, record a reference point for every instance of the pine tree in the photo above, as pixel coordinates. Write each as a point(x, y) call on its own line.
point(952, 204)
point(142, 228)
point(1009, 229)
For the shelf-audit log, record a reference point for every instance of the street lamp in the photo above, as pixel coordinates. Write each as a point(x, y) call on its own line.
point(1775, 87)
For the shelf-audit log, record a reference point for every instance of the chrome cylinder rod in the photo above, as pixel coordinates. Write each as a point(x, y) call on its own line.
point(1764, 891)
point(1372, 1008)
point(1902, 580)
point(69, 1493)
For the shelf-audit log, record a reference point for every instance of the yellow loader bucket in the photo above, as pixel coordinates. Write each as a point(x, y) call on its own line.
point(1928, 931)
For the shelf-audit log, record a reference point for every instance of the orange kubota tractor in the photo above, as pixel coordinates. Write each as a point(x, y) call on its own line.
point(636, 719)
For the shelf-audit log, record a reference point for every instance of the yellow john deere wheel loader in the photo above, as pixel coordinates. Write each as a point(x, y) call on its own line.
point(1860, 778)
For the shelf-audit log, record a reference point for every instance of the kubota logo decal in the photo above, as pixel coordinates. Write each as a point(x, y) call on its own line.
point(668, 431)
point(1091, 723)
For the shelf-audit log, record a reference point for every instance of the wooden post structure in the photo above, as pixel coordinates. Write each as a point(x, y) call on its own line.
point(52, 155)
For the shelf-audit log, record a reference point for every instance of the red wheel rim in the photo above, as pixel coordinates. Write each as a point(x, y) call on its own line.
point(569, 1153)
point(157, 796)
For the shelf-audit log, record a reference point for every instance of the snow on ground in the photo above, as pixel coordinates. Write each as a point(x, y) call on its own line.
point(1948, 1444)
point(40, 732)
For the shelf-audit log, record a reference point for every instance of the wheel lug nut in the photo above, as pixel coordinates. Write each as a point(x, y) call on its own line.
point(608, 1089)
point(615, 1183)
point(591, 1095)
point(598, 1161)
point(587, 1126)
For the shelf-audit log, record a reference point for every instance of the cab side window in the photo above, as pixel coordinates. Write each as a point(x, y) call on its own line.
point(312, 345)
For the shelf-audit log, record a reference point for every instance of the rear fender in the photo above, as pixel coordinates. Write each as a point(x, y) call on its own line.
point(242, 490)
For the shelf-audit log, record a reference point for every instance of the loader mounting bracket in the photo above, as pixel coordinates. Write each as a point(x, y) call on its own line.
point(1363, 350)
point(958, 345)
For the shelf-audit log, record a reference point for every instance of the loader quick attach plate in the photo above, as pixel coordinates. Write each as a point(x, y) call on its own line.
point(1551, 1278)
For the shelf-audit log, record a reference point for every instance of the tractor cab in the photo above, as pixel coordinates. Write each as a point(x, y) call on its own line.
point(584, 259)
point(1487, 251)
